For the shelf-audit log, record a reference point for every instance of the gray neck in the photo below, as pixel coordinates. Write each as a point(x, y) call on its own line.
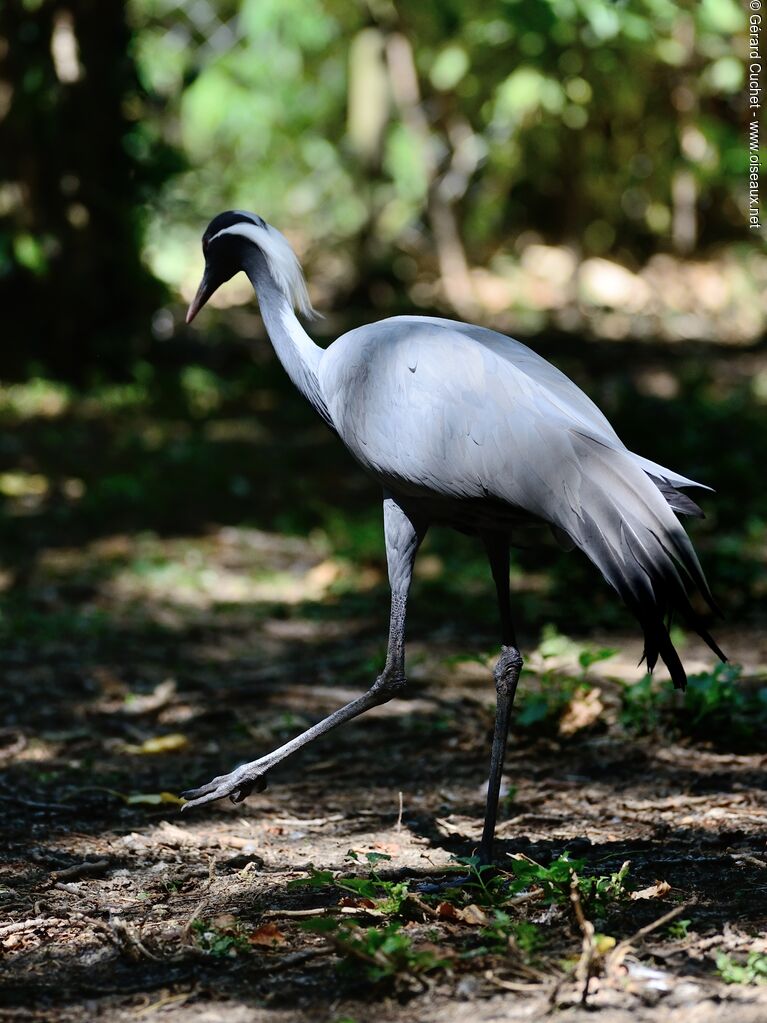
point(299, 355)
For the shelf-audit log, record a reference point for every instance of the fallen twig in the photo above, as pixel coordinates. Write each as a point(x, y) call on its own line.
point(125, 937)
point(28, 925)
point(296, 958)
point(162, 1002)
point(89, 868)
point(585, 967)
point(511, 985)
point(193, 916)
point(34, 804)
point(321, 911)
point(618, 954)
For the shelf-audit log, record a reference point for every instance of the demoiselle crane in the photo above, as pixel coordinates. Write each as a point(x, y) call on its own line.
point(465, 427)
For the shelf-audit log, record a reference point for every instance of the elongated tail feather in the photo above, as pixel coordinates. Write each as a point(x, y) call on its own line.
point(625, 523)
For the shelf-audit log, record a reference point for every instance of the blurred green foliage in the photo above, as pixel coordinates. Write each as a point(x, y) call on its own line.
point(573, 118)
point(718, 707)
point(402, 144)
point(413, 152)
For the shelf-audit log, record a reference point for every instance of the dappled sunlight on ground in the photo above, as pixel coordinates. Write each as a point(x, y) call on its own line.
point(194, 572)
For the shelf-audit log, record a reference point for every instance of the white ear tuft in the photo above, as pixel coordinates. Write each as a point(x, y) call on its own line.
point(281, 260)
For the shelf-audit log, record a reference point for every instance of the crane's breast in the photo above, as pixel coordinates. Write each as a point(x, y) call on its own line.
point(424, 410)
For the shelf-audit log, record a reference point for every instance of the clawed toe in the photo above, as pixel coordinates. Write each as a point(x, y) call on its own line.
point(237, 786)
point(246, 788)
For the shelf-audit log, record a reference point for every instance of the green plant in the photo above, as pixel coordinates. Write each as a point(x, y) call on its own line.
point(556, 689)
point(488, 886)
point(679, 929)
point(316, 879)
point(554, 880)
point(384, 896)
point(753, 971)
point(714, 701)
point(642, 706)
point(554, 644)
point(220, 940)
point(484, 885)
point(385, 951)
point(549, 702)
point(504, 932)
point(509, 797)
point(604, 888)
point(717, 706)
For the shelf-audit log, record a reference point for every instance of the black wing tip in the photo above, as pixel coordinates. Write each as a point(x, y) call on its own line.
point(712, 644)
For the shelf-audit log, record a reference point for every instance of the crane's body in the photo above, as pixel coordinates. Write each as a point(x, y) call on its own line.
point(466, 427)
point(453, 413)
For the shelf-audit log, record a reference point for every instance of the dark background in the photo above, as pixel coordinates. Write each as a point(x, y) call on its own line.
point(571, 173)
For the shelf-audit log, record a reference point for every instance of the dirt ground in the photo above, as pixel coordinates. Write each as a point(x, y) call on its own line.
point(116, 906)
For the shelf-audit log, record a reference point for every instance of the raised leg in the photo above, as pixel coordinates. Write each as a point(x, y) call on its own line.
point(506, 675)
point(403, 535)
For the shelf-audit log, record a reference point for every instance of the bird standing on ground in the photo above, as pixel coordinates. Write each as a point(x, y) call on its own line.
point(465, 427)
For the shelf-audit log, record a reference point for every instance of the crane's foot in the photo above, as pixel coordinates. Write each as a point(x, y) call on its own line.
point(238, 785)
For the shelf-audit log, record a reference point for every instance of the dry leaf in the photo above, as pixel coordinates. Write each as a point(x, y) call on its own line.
point(583, 710)
point(153, 799)
point(474, 916)
point(324, 574)
point(356, 902)
point(268, 934)
point(447, 910)
point(655, 891)
point(224, 921)
point(148, 702)
point(159, 744)
point(604, 943)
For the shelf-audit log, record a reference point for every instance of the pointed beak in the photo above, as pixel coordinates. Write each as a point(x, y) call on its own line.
point(204, 292)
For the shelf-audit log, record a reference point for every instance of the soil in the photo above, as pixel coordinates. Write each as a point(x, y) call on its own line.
point(114, 905)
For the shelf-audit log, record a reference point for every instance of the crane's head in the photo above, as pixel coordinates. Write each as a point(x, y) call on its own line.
point(237, 240)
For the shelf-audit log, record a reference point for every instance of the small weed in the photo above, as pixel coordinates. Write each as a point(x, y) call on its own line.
point(753, 971)
point(509, 797)
point(528, 937)
point(716, 702)
point(546, 705)
point(554, 644)
point(385, 951)
point(490, 887)
point(371, 857)
point(486, 885)
point(604, 888)
point(642, 706)
point(717, 706)
point(504, 933)
point(679, 929)
point(316, 879)
point(384, 896)
point(588, 657)
point(554, 880)
point(220, 940)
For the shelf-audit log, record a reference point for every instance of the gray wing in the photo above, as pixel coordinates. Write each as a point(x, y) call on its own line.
point(462, 411)
point(436, 407)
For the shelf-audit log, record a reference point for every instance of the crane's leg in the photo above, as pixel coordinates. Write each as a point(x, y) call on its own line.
point(506, 675)
point(403, 536)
